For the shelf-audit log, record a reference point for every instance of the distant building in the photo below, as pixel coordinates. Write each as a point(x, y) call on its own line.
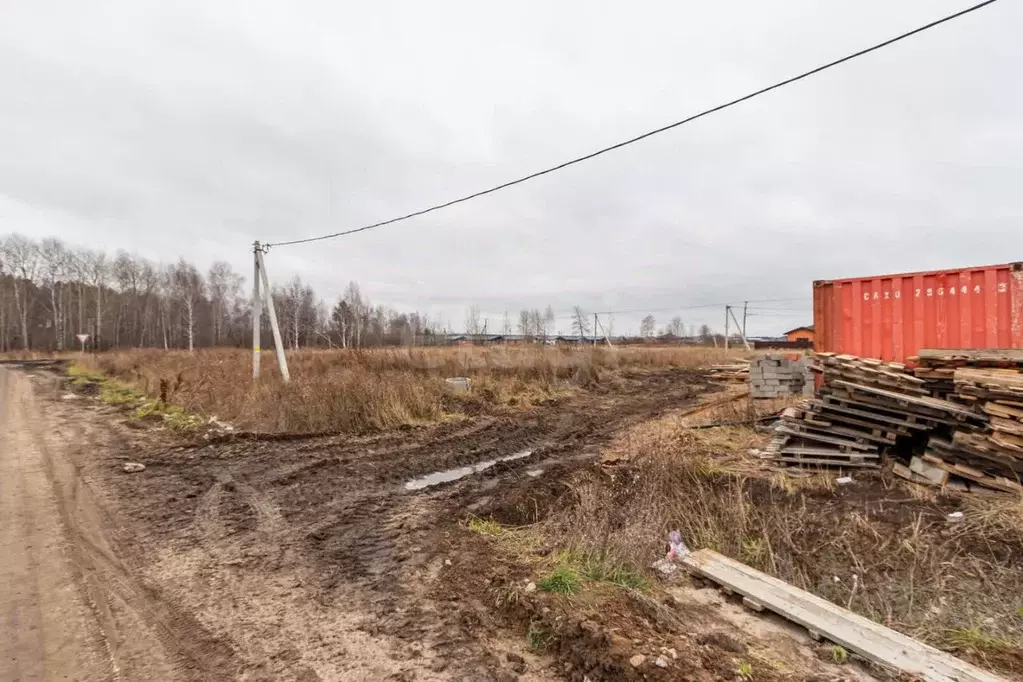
point(800, 334)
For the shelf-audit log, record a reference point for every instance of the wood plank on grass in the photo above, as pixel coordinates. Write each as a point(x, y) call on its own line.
point(824, 462)
point(841, 626)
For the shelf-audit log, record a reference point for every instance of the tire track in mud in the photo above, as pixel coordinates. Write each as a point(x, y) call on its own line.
point(269, 519)
point(144, 638)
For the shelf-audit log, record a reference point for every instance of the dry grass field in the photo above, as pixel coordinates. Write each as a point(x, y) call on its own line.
point(365, 390)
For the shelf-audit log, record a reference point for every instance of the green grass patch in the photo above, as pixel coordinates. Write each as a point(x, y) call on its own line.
point(485, 526)
point(112, 392)
point(603, 568)
point(839, 655)
point(539, 637)
point(563, 580)
point(975, 639)
point(81, 376)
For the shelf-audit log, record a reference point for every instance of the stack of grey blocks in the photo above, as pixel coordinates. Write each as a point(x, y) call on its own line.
point(777, 376)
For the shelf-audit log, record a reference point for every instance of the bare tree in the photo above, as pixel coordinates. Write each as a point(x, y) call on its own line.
point(647, 326)
point(506, 325)
point(548, 321)
point(526, 325)
point(187, 285)
point(23, 260)
point(49, 292)
point(357, 308)
point(580, 322)
point(675, 327)
point(56, 264)
point(705, 332)
point(97, 272)
point(472, 320)
point(296, 304)
point(225, 292)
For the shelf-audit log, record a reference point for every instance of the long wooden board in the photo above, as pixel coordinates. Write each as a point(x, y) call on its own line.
point(973, 355)
point(902, 398)
point(841, 626)
point(837, 403)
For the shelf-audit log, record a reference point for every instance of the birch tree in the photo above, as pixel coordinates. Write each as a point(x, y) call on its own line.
point(23, 260)
point(187, 285)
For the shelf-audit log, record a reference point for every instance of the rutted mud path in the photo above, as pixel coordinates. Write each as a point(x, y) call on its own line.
point(308, 559)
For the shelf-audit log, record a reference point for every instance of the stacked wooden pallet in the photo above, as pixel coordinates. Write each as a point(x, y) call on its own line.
point(810, 436)
point(865, 408)
point(991, 382)
point(938, 367)
point(869, 372)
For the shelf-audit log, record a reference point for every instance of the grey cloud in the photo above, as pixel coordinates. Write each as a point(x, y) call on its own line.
point(190, 129)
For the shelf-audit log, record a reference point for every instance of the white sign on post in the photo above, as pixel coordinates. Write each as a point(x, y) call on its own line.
point(83, 338)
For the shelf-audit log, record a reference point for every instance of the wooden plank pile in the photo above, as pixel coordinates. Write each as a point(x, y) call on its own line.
point(955, 421)
point(990, 383)
point(865, 407)
point(738, 371)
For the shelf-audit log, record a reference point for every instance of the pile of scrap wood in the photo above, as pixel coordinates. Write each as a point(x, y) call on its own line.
point(738, 371)
point(956, 420)
point(990, 382)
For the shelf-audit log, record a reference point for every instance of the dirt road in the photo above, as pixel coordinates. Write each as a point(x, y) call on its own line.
point(72, 609)
point(49, 630)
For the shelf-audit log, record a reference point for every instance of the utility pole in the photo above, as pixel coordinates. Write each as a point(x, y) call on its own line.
point(745, 306)
point(257, 309)
point(743, 333)
point(606, 337)
point(594, 329)
point(728, 309)
point(282, 361)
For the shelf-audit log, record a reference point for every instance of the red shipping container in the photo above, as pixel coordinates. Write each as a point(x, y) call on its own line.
point(891, 317)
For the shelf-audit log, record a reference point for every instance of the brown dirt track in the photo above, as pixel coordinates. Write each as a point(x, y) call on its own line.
point(307, 559)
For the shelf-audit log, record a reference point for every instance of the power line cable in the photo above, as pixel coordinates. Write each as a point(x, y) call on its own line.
point(651, 133)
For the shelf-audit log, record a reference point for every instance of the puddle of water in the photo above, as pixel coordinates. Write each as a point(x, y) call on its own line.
point(448, 475)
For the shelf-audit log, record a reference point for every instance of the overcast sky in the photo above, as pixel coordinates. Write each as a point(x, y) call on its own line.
point(191, 128)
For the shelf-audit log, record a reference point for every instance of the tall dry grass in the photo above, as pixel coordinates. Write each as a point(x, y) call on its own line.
point(358, 390)
point(872, 547)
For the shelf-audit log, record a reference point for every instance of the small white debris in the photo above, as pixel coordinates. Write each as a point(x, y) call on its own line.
point(661, 662)
point(69, 396)
point(955, 516)
point(637, 660)
point(665, 567)
point(837, 579)
point(673, 654)
point(459, 384)
point(133, 467)
point(530, 587)
point(447, 562)
point(844, 480)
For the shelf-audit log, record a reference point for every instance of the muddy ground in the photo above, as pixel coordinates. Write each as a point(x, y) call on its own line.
point(310, 559)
